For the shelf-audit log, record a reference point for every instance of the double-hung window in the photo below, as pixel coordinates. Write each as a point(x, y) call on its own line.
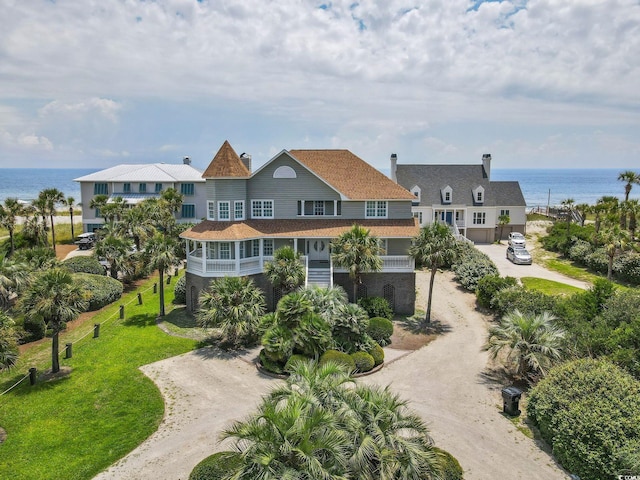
point(255, 248)
point(262, 208)
point(318, 207)
point(376, 209)
point(238, 210)
point(223, 211)
point(126, 187)
point(504, 212)
point(187, 188)
point(479, 218)
point(211, 210)
point(267, 247)
point(225, 251)
point(158, 187)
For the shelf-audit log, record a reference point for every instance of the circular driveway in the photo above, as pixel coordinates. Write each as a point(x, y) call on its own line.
point(497, 253)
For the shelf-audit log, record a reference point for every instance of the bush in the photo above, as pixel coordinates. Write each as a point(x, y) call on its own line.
point(628, 267)
point(377, 352)
point(269, 363)
point(376, 307)
point(471, 266)
point(380, 329)
point(451, 469)
point(598, 261)
point(84, 265)
point(102, 290)
point(588, 411)
point(558, 241)
point(579, 250)
point(35, 329)
point(294, 359)
point(180, 291)
point(339, 358)
point(529, 302)
point(490, 285)
point(363, 361)
point(216, 466)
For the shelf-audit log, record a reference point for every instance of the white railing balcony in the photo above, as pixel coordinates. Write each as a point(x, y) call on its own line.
point(211, 267)
point(391, 263)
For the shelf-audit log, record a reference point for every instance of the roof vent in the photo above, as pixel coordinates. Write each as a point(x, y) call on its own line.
point(186, 160)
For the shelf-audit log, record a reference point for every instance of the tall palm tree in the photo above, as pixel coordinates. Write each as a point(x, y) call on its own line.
point(161, 254)
point(502, 221)
point(286, 270)
point(13, 277)
point(605, 206)
point(98, 203)
point(629, 178)
point(614, 240)
point(633, 208)
point(567, 205)
point(582, 209)
point(9, 213)
point(434, 247)
point(534, 341)
point(359, 252)
point(235, 305)
point(137, 223)
point(52, 197)
point(55, 298)
point(33, 229)
point(8, 342)
point(71, 202)
point(172, 199)
point(39, 209)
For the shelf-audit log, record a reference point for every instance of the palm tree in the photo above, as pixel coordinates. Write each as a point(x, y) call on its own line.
point(115, 249)
point(614, 240)
point(161, 254)
point(567, 204)
point(286, 270)
point(605, 206)
point(8, 342)
point(13, 277)
point(434, 247)
point(9, 212)
point(98, 203)
point(70, 202)
point(33, 229)
point(629, 177)
point(52, 197)
point(582, 209)
point(633, 208)
point(39, 209)
point(534, 341)
point(235, 305)
point(57, 299)
point(502, 221)
point(359, 252)
point(326, 301)
point(172, 199)
point(138, 223)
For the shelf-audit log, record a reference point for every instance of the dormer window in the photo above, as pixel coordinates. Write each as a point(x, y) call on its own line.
point(478, 194)
point(447, 194)
point(416, 193)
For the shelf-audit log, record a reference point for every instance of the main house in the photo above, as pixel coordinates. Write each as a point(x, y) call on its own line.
point(465, 197)
point(303, 199)
point(134, 183)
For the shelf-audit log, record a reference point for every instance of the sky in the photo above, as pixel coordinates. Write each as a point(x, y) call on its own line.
point(537, 83)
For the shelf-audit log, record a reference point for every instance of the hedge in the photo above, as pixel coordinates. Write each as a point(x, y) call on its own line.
point(102, 290)
point(377, 352)
point(471, 266)
point(490, 285)
point(338, 357)
point(451, 469)
point(84, 264)
point(376, 307)
point(216, 466)
point(589, 412)
point(180, 291)
point(363, 361)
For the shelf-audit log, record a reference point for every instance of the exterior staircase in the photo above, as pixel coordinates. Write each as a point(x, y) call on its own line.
point(319, 274)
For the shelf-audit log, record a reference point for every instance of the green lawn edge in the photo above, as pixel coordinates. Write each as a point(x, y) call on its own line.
point(77, 426)
point(549, 287)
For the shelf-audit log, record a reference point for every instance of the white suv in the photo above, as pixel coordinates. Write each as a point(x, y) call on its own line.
point(516, 239)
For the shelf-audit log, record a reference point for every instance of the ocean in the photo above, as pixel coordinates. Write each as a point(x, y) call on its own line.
point(583, 185)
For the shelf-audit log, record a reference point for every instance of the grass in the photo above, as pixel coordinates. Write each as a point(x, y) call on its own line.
point(181, 324)
point(76, 426)
point(549, 287)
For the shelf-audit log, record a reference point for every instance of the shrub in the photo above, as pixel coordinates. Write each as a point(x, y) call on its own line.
point(471, 266)
point(588, 411)
point(84, 264)
point(380, 329)
point(102, 290)
point(363, 361)
point(490, 285)
point(530, 302)
point(35, 329)
point(270, 364)
point(339, 358)
point(349, 329)
point(598, 261)
point(451, 469)
point(376, 307)
point(216, 466)
point(558, 241)
point(294, 359)
point(377, 352)
point(628, 268)
point(579, 250)
point(180, 291)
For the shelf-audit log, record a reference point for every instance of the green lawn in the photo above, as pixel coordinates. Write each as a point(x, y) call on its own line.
point(74, 427)
point(548, 287)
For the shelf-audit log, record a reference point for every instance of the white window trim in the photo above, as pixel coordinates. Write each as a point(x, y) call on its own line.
point(235, 207)
point(271, 247)
point(284, 171)
point(211, 208)
point(477, 216)
point(226, 250)
point(262, 207)
point(220, 205)
point(386, 209)
point(477, 193)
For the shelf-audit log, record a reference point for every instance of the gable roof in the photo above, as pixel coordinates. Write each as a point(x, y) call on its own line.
point(154, 172)
point(350, 175)
point(226, 163)
point(463, 179)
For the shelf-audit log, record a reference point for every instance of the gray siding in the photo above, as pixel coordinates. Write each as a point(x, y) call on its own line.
point(226, 189)
point(285, 192)
point(395, 209)
point(398, 246)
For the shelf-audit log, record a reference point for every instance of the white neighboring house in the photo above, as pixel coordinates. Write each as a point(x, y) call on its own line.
point(464, 197)
point(136, 182)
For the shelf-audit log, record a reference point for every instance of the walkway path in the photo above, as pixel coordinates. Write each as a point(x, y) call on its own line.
point(446, 383)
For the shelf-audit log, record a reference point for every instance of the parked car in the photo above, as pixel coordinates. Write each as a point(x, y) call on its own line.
point(516, 239)
point(86, 241)
point(519, 256)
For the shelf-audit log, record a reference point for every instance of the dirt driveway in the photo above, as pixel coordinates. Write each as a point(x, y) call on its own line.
point(447, 383)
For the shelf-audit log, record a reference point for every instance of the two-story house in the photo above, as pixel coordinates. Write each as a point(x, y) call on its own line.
point(463, 196)
point(304, 199)
point(134, 183)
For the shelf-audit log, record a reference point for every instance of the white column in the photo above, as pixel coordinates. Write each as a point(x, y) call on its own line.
point(295, 245)
point(236, 246)
point(261, 254)
point(335, 208)
point(204, 256)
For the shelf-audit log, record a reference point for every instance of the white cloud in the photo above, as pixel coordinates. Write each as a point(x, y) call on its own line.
point(102, 107)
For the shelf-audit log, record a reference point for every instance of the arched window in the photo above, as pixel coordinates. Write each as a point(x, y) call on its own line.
point(284, 172)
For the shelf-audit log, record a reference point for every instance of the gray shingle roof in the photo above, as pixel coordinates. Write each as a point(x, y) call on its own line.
point(462, 179)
